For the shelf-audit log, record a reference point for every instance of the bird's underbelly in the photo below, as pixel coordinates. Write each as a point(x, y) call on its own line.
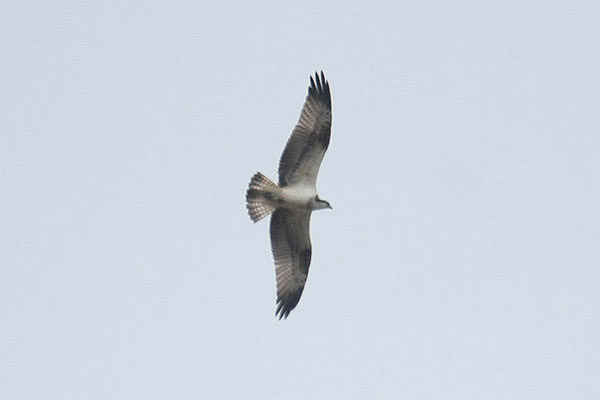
point(296, 198)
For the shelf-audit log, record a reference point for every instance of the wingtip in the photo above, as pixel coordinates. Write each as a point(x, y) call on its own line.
point(284, 308)
point(319, 87)
point(282, 312)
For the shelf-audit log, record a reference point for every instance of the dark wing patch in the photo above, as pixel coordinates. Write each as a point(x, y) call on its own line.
point(306, 146)
point(290, 242)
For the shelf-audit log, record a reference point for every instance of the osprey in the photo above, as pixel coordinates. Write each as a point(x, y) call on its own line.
point(295, 198)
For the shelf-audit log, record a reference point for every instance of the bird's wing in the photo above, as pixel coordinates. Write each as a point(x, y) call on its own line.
point(290, 242)
point(304, 151)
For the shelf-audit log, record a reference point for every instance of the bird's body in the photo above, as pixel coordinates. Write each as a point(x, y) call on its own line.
point(298, 197)
point(293, 200)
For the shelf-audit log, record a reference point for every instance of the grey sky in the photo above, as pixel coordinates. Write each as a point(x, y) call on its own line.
point(461, 258)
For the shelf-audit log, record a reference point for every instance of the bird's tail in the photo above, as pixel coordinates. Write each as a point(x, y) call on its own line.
point(261, 197)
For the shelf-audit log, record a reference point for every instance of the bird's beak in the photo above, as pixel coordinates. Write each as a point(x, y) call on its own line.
point(331, 208)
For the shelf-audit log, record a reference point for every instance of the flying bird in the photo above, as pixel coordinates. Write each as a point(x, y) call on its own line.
point(292, 201)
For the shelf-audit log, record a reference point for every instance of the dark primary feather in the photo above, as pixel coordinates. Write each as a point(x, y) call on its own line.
point(290, 243)
point(304, 151)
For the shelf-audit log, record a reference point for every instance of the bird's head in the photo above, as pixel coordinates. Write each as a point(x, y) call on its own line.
point(321, 204)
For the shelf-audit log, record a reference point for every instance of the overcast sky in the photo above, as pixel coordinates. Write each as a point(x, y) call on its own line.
point(461, 259)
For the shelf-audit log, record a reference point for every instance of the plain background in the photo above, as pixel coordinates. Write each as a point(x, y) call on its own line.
point(461, 257)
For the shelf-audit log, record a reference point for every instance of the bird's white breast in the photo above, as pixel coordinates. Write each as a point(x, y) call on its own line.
point(297, 196)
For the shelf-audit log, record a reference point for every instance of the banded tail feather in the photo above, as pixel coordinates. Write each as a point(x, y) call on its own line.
point(260, 197)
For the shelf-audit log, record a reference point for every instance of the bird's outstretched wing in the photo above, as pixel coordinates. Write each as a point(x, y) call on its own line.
point(290, 242)
point(304, 151)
